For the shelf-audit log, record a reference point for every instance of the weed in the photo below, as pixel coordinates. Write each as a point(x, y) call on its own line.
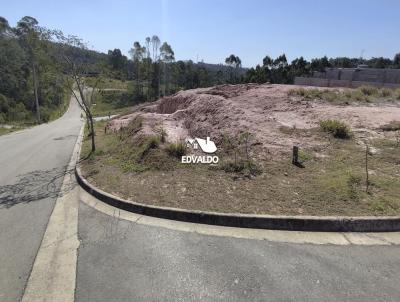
point(368, 90)
point(304, 156)
point(176, 149)
point(353, 184)
point(362, 94)
point(163, 135)
point(241, 166)
point(397, 93)
point(337, 128)
point(151, 142)
point(386, 92)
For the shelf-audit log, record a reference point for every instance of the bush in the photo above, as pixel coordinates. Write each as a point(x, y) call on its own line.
point(353, 184)
point(241, 166)
point(397, 93)
point(151, 142)
point(2, 118)
point(45, 114)
point(337, 128)
point(368, 90)
point(231, 166)
point(176, 149)
point(4, 104)
point(298, 92)
point(386, 92)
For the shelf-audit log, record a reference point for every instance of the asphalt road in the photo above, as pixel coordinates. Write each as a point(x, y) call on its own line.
point(120, 260)
point(32, 166)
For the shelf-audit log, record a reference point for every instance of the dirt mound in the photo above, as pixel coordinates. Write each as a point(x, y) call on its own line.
point(276, 119)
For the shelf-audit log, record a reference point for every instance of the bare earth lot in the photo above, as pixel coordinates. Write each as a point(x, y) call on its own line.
point(332, 182)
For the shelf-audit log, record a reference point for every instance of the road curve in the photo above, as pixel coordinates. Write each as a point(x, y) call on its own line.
point(32, 166)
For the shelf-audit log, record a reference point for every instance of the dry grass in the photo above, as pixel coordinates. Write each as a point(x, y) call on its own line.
point(363, 94)
point(332, 182)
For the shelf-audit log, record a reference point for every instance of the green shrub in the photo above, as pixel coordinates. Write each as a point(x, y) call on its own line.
point(298, 92)
point(163, 135)
point(241, 166)
point(45, 114)
point(397, 93)
point(368, 90)
point(2, 118)
point(151, 142)
point(337, 128)
point(304, 156)
point(386, 92)
point(176, 149)
point(231, 166)
point(353, 184)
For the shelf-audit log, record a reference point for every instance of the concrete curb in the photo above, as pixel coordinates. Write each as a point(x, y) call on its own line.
point(289, 223)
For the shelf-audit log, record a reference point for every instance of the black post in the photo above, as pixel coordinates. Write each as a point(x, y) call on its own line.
point(295, 158)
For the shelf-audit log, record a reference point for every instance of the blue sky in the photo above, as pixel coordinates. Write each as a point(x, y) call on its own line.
point(213, 29)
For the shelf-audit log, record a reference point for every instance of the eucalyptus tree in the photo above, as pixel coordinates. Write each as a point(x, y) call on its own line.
point(155, 41)
point(137, 53)
point(28, 32)
point(167, 56)
point(234, 63)
point(4, 26)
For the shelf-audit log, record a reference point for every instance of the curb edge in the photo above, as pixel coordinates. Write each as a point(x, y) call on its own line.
point(271, 222)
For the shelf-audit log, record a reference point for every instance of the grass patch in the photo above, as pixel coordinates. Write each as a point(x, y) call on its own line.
point(7, 130)
point(337, 128)
point(332, 184)
point(246, 168)
point(176, 149)
point(107, 83)
point(112, 102)
point(363, 94)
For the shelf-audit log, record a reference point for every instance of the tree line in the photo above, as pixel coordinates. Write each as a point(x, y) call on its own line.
point(37, 65)
point(155, 73)
point(280, 71)
point(29, 77)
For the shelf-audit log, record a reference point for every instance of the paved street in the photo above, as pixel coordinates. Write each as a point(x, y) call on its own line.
point(124, 259)
point(32, 165)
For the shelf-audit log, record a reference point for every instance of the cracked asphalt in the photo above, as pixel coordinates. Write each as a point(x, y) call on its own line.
point(32, 167)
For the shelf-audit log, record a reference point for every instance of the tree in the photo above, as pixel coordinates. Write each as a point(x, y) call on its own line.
point(396, 60)
point(167, 57)
point(4, 26)
point(380, 62)
point(234, 63)
point(137, 54)
point(148, 66)
point(28, 31)
point(76, 70)
point(320, 64)
point(118, 63)
point(155, 41)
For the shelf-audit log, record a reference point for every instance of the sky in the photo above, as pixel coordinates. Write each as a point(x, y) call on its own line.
point(211, 30)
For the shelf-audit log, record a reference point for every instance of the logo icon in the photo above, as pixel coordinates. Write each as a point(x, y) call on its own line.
point(206, 145)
